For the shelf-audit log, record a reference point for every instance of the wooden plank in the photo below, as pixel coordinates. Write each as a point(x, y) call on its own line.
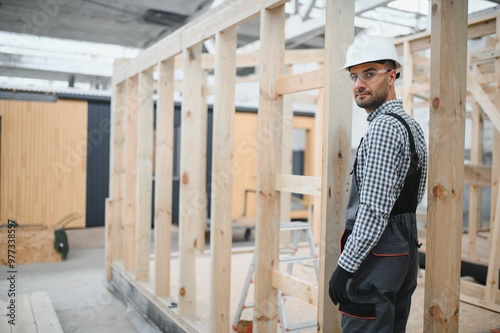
point(45, 316)
point(300, 82)
point(163, 177)
point(296, 287)
point(202, 168)
point(480, 303)
point(483, 99)
point(272, 36)
point(287, 159)
point(495, 176)
point(191, 211)
point(475, 194)
point(478, 175)
point(25, 321)
point(298, 184)
point(117, 166)
point(445, 174)
point(109, 225)
point(251, 59)
point(129, 208)
point(407, 78)
point(492, 282)
point(144, 175)
point(222, 179)
point(228, 14)
point(317, 153)
point(337, 124)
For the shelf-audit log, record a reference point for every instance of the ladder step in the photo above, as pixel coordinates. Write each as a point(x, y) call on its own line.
point(295, 226)
point(290, 259)
point(248, 305)
point(301, 326)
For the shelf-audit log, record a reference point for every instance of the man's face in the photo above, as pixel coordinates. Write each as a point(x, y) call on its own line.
point(371, 88)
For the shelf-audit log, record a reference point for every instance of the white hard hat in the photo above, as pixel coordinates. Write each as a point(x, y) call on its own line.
point(371, 48)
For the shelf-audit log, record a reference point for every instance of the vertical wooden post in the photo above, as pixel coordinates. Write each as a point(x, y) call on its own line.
point(318, 158)
point(407, 78)
point(475, 193)
point(117, 161)
point(287, 160)
point(163, 176)
point(495, 167)
point(144, 174)
point(272, 37)
point(129, 208)
point(445, 177)
point(203, 162)
point(109, 225)
point(339, 34)
point(222, 179)
point(495, 172)
point(191, 201)
point(492, 282)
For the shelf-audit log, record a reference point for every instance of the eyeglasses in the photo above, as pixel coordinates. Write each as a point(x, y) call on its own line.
point(366, 76)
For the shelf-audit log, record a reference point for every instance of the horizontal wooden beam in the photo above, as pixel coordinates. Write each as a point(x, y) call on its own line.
point(479, 175)
point(251, 59)
point(228, 14)
point(296, 287)
point(477, 27)
point(483, 100)
point(298, 184)
point(300, 82)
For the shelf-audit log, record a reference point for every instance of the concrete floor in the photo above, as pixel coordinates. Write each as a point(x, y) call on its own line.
point(77, 289)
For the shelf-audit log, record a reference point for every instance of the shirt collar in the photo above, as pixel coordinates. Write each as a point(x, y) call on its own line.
point(386, 107)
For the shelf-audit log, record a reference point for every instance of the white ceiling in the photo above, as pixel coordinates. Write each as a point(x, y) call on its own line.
point(43, 39)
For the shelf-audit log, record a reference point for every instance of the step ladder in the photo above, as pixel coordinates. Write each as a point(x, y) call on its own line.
point(286, 256)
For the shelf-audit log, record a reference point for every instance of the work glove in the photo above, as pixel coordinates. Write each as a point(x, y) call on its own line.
point(339, 284)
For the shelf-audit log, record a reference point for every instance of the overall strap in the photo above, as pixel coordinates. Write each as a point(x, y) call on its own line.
point(414, 156)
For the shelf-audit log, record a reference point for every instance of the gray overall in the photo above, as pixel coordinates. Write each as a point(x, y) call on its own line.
point(382, 286)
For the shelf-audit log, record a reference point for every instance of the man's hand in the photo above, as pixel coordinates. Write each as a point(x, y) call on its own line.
point(339, 284)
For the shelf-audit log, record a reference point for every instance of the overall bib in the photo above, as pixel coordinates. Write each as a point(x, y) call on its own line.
point(382, 287)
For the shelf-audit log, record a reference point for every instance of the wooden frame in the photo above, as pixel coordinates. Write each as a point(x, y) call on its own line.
point(128, 233)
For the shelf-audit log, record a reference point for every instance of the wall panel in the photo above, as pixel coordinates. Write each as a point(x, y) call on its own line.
point(43, 162)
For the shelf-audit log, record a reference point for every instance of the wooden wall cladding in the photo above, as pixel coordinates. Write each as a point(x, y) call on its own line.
point(43, 162)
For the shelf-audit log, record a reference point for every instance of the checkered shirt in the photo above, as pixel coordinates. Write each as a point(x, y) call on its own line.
point(383, 159)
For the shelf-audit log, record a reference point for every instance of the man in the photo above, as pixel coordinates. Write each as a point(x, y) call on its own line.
point(378, 265)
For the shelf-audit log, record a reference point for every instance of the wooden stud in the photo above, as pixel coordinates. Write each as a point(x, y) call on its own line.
point(130, 205)
point(317, 151)
point(287, 161)
point(272, 36)
point(163, 176)
point(203, 162)
point(222, 179)
point(109, 241)
point(337, 125)
point(144, 194)
point(296, 287)
point(191, 207)
point(407, 78)
point(475, 193)
point(492, 282)
point(298, 184)
point(300, 82)
point(445, 174)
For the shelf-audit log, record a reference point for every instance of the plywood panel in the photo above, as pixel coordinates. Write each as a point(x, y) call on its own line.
point(43, 158)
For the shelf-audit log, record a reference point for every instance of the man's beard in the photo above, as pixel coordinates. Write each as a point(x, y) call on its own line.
point(373, 102)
